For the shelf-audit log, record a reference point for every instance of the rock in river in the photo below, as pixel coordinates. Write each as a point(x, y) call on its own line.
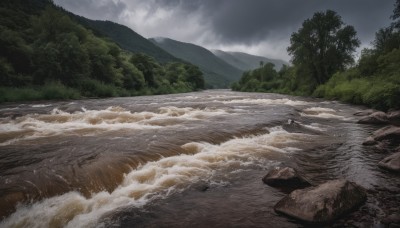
point(375, 118)
point(285, 177)
point(322, 203)
point(391, 163)
point(389, 134)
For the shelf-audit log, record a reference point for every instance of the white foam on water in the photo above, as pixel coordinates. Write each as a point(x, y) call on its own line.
point(9, 109)
point(89, 122)
point(324, 113)
point(41, 105)
point(316, 126)
point(283, 101)
point(159, 179)
point(319, 109)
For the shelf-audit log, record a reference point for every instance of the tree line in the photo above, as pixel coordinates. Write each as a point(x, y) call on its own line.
point(44, 54)
point(324, 66)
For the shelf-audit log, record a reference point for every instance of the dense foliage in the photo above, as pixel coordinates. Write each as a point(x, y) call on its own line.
point(44, 54)
point(373, 81)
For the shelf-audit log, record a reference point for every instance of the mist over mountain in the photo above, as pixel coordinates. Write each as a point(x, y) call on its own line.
point(245, 61)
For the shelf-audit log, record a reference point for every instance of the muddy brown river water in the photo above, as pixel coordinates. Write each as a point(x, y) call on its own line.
point(194, 159)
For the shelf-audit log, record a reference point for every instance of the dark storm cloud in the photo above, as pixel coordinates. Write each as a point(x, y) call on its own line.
point(250, 21)
point(94, 9)
point(259, 26)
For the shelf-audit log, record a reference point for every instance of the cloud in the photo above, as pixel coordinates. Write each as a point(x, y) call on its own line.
point(94, 9)
point(259, 26)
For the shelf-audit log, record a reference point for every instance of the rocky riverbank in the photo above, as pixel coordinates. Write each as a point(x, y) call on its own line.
point(333, 201)
point(386, 139)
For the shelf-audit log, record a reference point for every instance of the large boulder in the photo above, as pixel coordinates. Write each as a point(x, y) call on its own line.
point(389, 135)
point(322, 203)
point(375, 118)
point(285, 177)
point(391, 163)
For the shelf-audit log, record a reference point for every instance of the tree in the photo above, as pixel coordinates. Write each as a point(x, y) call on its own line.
point(323, 46)
point(194, 76)
point(396, 12)
point(148, 66)
point(387, 39)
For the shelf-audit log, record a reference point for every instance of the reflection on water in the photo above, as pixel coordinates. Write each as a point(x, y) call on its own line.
point(141, 161)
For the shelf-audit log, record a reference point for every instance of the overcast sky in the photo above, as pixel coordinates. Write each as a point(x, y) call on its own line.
point(261, 27)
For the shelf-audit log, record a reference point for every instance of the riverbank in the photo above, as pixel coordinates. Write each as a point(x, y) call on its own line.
point(58, 91)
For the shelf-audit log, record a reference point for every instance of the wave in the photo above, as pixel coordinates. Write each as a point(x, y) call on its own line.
point(283, 101)
point(324, 113)
point(89, 122)
point(159, 179)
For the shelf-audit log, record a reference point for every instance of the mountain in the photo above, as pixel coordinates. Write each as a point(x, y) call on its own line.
point(126, 38)
point(245, 61)
point(217, 72)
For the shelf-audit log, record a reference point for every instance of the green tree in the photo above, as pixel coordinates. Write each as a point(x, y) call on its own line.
point(323, 45)
point(148, 66)
point(396, 14)
point(194, 76)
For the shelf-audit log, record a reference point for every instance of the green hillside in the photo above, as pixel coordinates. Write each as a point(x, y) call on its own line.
point(216, 72)
point(46, 54)
point(246, 61)
point(126, 38)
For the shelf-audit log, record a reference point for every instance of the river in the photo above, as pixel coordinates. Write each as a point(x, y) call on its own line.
point(194, 159)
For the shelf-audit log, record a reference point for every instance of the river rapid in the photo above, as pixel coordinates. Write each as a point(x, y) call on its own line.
point(194, 159)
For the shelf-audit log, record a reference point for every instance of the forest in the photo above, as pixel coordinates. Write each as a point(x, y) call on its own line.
point(45, 54)
point(323, 64)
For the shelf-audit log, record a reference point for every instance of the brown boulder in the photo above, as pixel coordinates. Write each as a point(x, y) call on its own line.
point(323, 203)
point(375, 118)
point(285, 177)
point(390, 133)
point(386, 136)
point(391, 163)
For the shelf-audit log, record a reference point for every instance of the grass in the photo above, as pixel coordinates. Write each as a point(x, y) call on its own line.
point(46, 92)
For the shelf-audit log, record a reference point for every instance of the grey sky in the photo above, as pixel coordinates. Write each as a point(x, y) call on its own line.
point(261, 27)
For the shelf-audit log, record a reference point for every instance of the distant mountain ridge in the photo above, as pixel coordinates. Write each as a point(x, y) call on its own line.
point(216, 71)
point(245, 61)
point(126, 38)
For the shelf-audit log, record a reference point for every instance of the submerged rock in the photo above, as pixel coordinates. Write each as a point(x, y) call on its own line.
point(201, 186)
point(322, 203)
point(391, 163)
point(375, 118)
point(285, 177)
